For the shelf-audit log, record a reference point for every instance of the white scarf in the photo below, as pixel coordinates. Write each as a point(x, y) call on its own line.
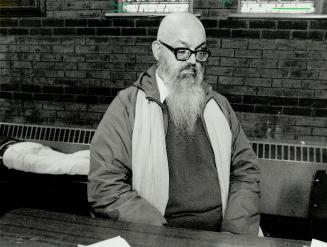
point(149, 155)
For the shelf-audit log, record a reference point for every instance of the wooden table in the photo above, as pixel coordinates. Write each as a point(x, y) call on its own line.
point(32, 227)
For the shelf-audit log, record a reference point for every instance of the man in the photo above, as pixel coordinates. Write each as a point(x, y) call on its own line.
point(169, 150)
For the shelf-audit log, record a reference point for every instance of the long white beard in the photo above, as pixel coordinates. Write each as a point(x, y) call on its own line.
point(185, 102)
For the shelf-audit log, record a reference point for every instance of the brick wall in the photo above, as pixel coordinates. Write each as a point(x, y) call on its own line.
point(64, 69)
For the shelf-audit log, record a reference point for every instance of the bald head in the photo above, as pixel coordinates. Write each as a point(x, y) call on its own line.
point(180, 26)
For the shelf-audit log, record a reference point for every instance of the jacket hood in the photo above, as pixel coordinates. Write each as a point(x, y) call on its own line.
point(148, 83)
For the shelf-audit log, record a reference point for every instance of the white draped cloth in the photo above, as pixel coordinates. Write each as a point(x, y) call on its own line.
point(37, 158)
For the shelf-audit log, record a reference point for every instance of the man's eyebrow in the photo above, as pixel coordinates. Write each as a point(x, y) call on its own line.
point(199, 46)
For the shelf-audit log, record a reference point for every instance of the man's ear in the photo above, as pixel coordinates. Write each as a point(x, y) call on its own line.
point(156, 49)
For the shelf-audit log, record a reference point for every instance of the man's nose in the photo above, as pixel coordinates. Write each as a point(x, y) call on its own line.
point(192, 59)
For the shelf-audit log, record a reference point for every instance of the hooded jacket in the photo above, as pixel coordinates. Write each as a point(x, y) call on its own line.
point(110, 190)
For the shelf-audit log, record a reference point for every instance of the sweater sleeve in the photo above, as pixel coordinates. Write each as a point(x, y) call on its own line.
point(242, 213)
point(110, 192)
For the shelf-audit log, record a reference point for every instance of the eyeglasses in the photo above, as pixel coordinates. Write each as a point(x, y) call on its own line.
point(182, 53)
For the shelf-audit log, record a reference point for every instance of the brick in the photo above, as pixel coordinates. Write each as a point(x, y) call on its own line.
point(123, 22)
point(152, 32)
point(98, 74)
point(322, 94)
point(319, 131)
point(317, 122)
point(276, 54)
point(299, 64)
point(233, 23)
point(31, 88)
point(3, 31)
point(110, 49)
point(75, 23)
point(129, 66)
point(262, 24)
point(6, 95)
point(64, 31)
point(265, 34)
point(125, 75)
point(95, 57)
point(323, 75)
point(54, 73)
point(261, 44)
point(87, 49)
point(85, 31)
point(267, 109)
point(22, 65)
point(250, 72)
point(227, 80)
point(48, 40)
point(242, 90)
point(75, 74)
point(29, 23)
point(22, 96)
point(297, 111)
point(41, 31)
point(291, 45)
point(43, 65)
point(99, 91)
point(5, 64)
point(318, 24)
point(66, 65)
point(235, 43)
point(76, 5)
point(223, 52)
point(243, 108)
point(133, 31)
point(8, 22)
point(143, 59)
point(317, 64)
point(304, 74)
point(263, 63)
point(222, 33)
point(136, 49)
point(99, 23)
point(50, 57)
point(317, 46)
point(101, 5)
point(314, 35)
point(213, 61)
point(119, 58)
point(314, 103)
point(287, 83)
point(314, 84)
point(53, 23)
point(236, 62)
point(67, 82)
point(261, 82)
point(97, 41)
point(108, 31)
point(214, 70)
point(274, 73)
point(248, 53)
point(300, 54)
point(251, 34)
point(75, 90)
point(299, 25)
point(90, 66)
point(18, 31)
point(63, 49)
point(72, 40)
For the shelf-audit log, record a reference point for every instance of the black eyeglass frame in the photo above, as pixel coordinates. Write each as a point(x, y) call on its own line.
point(175, 51)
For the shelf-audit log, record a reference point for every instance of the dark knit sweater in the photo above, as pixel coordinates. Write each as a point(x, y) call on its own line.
point(194, 192)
